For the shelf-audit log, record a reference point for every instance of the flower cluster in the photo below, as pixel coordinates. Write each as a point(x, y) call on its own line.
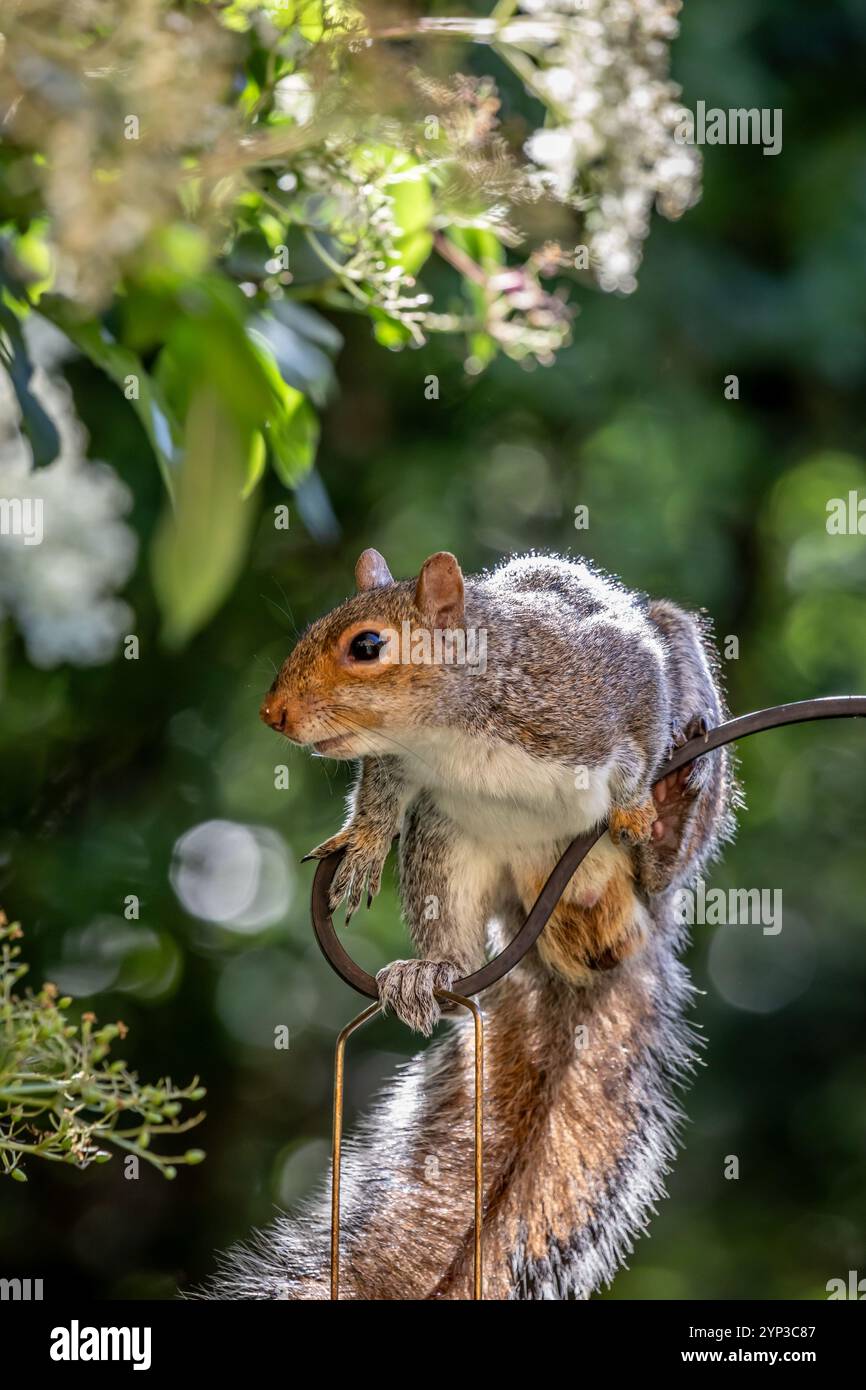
point(61, 591)
point(601, 67)
point(61, 1099)
point(122, 118)
point(103, 106)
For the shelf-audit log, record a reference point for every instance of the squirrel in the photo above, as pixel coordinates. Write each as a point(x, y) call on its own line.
point(487, 769)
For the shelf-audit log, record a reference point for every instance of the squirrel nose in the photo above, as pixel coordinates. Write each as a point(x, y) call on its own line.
point(275, 711)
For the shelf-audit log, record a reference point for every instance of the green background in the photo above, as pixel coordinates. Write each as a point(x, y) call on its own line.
point(713, 502)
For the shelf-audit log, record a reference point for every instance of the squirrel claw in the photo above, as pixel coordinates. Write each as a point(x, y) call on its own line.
point(361, 866)
point(697, 727)
point(359, 869)
point(407, 989)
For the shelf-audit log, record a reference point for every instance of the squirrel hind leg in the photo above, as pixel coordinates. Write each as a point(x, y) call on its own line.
point(633, 825)
point(590, 932)
point(690, 815)
point(674, 795)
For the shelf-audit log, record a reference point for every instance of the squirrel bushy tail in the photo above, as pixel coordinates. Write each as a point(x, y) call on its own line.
point(580, 1127)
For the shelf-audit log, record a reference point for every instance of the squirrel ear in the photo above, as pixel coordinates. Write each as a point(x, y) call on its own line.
point(439, 591)
point(371, 571)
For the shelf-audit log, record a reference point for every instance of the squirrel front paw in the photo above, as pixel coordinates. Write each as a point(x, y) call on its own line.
point(406, 988)
point(360, 867)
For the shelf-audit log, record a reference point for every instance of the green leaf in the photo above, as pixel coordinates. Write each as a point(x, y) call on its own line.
point(199, 548)
point(35, 422)
point(127, 371)
point(294, 439)
point(209, 342)
point(26, 269)
point(481, 244)
point(292, 427)
point(413, 213)
point(388, 332)
point(481, 351)
point(302, 343)
point(406, 183)
point(255, 465)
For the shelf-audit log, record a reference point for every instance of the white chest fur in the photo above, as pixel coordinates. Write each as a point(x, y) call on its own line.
point(498, 793)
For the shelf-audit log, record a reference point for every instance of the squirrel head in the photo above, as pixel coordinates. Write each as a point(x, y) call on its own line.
point(357, 679)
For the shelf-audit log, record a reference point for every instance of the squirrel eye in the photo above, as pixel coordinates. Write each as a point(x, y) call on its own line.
point(366, 646)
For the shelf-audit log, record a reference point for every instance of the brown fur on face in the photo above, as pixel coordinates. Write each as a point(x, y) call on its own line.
point(322, 693)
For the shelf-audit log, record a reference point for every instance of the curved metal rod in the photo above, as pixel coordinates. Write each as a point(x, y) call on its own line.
point(799, 712)
point(478, 1024)
point(337, 1136)
point(337, 1139)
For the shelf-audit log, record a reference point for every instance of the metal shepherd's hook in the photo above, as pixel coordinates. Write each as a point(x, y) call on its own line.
point(337, 1135)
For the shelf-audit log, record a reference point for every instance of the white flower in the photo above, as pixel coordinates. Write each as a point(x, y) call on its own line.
point(554, 150)
point(60, 592)
point(603, 67)
point(559, 83)
point(294, 97)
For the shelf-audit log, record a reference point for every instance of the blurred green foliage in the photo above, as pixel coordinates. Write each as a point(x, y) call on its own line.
point(181, 181)
point(153, 777)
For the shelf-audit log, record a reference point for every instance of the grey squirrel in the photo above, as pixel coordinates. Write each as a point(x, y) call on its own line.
point(488, 769)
